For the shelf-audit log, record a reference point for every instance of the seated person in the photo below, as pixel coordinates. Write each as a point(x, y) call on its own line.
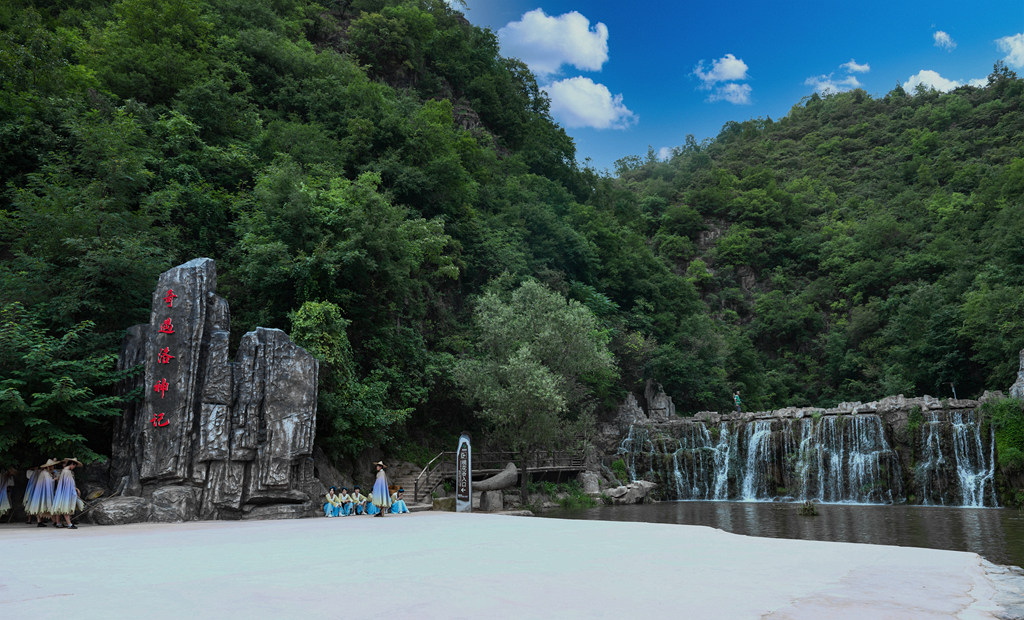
point(358, 501)
point(371, 508)
point(331, 506)
point(346, 501)
point(398, 502)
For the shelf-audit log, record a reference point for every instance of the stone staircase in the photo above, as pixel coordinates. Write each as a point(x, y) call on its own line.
point(405, 478)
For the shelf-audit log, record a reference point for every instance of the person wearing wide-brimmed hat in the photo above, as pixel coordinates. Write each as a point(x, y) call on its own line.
point(6, 484)
point(42, 489)
point(67, 498)
point(381, 497)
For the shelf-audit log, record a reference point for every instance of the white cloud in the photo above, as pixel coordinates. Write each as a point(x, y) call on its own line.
point(726, 69)
point(665, 153)
point(1014, 47)
point(580, 102)
point(854, 67)
point(545, 43)
point(931, 79)
point(826, 83)
point(978, 82)
point(731, 92)
point(943, 40)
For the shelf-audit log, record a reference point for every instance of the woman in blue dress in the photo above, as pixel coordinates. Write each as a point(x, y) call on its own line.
point(331, 505)
point(41, 500)
point(66, 499)
point(381, 497)
point(6, 484)
point(398, 503)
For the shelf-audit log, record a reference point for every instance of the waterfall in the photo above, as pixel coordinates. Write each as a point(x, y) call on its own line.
point(974, 475)
point(758, 451)
point(827, 458)
point(930, 471)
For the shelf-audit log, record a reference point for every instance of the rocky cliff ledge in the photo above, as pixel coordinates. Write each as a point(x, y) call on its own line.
point(211, 438)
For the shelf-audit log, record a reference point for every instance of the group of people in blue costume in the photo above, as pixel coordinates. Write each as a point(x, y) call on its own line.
point(380, 501)
point(50, 495)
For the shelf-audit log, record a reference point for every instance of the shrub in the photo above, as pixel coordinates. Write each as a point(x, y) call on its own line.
point(914, 420)
point(1008, 421)
point(619, 469)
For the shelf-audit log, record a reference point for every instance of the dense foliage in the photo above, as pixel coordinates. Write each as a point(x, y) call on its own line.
point(362, 169)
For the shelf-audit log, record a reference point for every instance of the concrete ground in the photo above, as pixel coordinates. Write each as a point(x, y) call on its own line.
point(446, 565)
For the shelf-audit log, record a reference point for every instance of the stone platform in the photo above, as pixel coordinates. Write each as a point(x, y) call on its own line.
point(446, 565)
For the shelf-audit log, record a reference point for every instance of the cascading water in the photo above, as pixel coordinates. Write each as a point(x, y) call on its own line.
point(975, 476)
point(831, 458)
point(755, 477)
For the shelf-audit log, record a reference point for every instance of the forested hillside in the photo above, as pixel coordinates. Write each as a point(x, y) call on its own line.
point(362, 170)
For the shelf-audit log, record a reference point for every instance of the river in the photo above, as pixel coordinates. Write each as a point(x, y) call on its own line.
point(997, 534)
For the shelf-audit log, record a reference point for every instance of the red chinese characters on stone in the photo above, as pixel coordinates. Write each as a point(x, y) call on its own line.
point(158, 420)
point(161, 386)
point(169, 297)
point(166, 327)
point(165, 357)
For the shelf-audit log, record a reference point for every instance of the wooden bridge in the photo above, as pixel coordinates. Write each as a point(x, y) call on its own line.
point(486, 464)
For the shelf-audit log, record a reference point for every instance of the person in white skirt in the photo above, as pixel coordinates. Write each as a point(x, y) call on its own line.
point(67, 498)
point(6, 486)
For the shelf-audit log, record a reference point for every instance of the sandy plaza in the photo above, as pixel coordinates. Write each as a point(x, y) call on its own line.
point(447, 565)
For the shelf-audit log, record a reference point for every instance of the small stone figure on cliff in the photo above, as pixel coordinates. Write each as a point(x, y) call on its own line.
point(381, 497)
point(6, 484)
point(398, 502)
point(739, 406)
point(331, 504)
point(67, 498)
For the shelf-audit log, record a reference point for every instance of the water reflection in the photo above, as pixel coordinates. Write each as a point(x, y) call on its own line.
point(995, 533)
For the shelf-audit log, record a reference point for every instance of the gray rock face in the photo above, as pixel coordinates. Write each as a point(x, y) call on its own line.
point(632, 493)
point(174, 504)
point(659, 404)
point(214, 438)
point(590, 482)
point(1017, 389)
point(492, 501)
point(121, 510)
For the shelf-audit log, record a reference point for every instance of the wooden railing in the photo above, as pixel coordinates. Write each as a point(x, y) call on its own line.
point(442, 466)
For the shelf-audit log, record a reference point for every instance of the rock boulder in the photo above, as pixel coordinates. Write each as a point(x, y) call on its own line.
point(121, 510)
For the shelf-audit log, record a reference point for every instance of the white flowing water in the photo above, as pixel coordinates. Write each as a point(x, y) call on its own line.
point(833, 459)
point(975, 476)
point(758, 452)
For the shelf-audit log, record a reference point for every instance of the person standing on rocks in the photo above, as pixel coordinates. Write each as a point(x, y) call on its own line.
point(381, 496)
point(67, 498)
point(739, 406)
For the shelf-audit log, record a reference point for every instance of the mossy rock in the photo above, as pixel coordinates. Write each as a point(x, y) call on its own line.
point(444, 504)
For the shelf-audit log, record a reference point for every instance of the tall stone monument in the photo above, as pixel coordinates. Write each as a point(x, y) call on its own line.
point(211, 438)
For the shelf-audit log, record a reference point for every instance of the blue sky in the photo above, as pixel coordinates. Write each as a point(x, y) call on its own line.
point(623, 76)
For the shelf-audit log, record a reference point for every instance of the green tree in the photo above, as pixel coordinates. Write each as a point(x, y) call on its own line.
point(351, 412)
point(536, 360)
point(53, 400)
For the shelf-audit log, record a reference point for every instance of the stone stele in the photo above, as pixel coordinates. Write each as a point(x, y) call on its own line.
point(213, 438)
